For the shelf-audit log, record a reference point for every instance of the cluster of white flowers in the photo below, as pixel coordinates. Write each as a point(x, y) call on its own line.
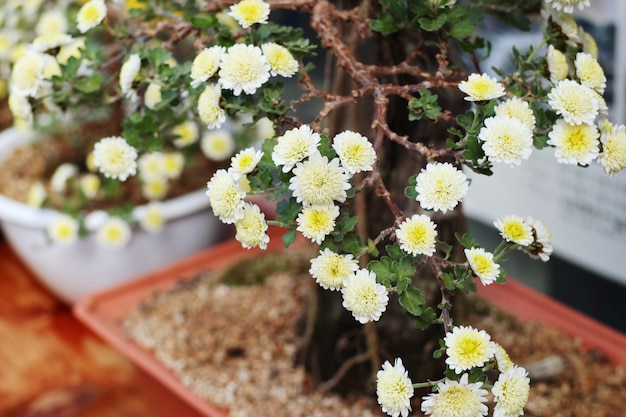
point(532, 235)
point(467, 349)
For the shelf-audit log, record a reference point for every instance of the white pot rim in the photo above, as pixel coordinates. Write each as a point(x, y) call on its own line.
point(19, 213)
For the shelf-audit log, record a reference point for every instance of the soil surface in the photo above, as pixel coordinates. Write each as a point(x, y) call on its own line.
point(234, 346)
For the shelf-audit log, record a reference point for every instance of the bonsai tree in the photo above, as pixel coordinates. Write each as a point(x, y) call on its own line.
point(378, 110)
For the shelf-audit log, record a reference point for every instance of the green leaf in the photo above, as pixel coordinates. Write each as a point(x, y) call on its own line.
point(448, 281)
point(383, 269)
point(444, 247)
point(347, 224)
point(326, 147)
point(427, 318)
point(403, 284)
point(404, 267)
point(412, 300)
point(203, 20)
point(289, 238)
point(384, 23)
point(371, 248)
point(466, 240)
point(394, 251)
point(287, 210)
point(352, 244)
point(431, 25)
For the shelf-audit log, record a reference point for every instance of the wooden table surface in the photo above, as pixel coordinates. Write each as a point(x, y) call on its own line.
point(50, 364)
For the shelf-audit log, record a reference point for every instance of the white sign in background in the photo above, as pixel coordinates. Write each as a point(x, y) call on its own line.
point(583, 207)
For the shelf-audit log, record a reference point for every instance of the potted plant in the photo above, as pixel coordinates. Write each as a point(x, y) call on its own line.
point(370, 166)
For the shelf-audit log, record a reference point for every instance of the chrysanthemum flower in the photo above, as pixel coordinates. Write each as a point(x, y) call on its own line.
point(187, 132)
point(467, 348)
point(613, 156)
point(151, 217)
point(440, 186)
point(575, 144)
point(174, 164)
point(209, 110)
point(61, 175)
point(456, 399)
point(114, 233)
point(479, 87)
point(483, 265)
point(503, 360)
point(243, 68)
point(541, 247)
point(364, 297)
point(590, 45)
point(151, 165)
point(417, 235)
point(316, 222)
point(394, 389)
point(22, 111)
point(249, 12)
point(89, 185)
point(280, 59)
point(355, 151)
point(576, 103)
point(27, 74)
point(251, 228)
point(294, 146)
point(51, 22)
point(557, 64)
point(264, 128)
point(225, 197)
point(245, 161)
point(90, 15)
point(206, 64)
point(590, 72)
point(519, 109)
point(128, 72)
point(218, 145)
point(567, 6)
point(73, 49)
point(319, 182)
point(115, 158)
point(50, 41)
point(515, 229)
point(152, 97)
point(36, 194)
point(330, 269)
point(63, 230)
point(506, 139)
point(154, 188)
point(511, 392)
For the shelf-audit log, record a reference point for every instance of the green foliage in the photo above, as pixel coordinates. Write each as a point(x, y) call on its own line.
point(426, 106)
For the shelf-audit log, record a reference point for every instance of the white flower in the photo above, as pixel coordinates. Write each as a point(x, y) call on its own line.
point(187, 133)
point(115, 158)
point(364, 297)
point(503, 360)
point(128, 72)
point(483, 265)
point(417, 235)
point(264, 128)
point(209, 109)
point(206, 64)
point(557, 64)
point(515, 229)
point(355, 151)
point(316, 222)
point(245, 161)
point(152, 97)
point(541, 247)
point(36, 194)
point(151, 217)
point(575, 102)
point(89, 185)
point(440, 186)
point(511, 392)
point(567, 6)
point(218, 145)
point(319, 182)
point(249, 12)
point(575, 144)
point(517, 108)
point(479, 87)
point(21, 109)
point(51, 22)
point(280, 59)
point(114, 233)
point(394, 389)
point(467, 348)
point(226, 197)
point(61, 175)
point(590, 45)
point(174, 164)
point(151, 166)
point(50, 41)
point(456, 399)
point(244, 68)
point(63, 230)
point(589, 72)
point(613, 156)
point(506, 139)
point(154, 188)
point(330, 269)
point(251, 228)
point(27, 74)
point(91, 14)
point(294, 146)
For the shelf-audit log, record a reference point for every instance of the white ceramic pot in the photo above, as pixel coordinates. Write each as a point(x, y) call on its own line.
point(84, 267)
